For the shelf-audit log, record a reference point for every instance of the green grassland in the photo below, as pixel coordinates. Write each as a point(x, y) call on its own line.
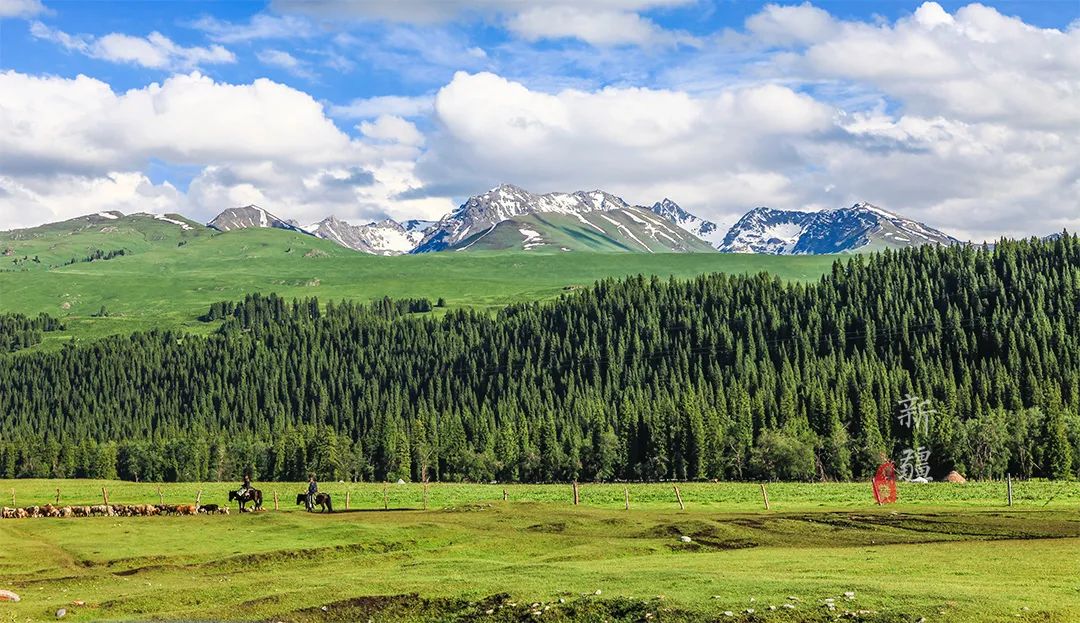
point(165, 285)
point(944, 552)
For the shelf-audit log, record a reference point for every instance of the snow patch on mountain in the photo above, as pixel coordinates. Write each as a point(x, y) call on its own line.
point(786, 232)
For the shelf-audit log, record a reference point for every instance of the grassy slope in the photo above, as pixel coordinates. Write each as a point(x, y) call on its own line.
point(170, 286)
point(945, 553)
point(57, 243)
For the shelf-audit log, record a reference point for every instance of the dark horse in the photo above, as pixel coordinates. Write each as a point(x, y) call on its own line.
point(250, 495)
point(321, 499)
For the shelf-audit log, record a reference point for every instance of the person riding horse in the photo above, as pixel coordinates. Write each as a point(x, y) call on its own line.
point(312, 489)
point(246, 493)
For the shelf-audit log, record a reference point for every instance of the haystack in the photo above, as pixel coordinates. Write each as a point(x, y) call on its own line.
point(954, 476)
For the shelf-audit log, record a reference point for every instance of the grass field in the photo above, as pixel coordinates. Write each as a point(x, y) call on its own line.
point(945, 552)
point(170, 286)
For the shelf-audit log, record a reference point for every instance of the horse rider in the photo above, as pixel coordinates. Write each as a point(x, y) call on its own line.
point(246, 485)
point(312, 489)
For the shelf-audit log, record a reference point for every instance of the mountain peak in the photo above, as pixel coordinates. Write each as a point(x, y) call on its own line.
point(861, 227)
point(621, 226)
point(248, 217)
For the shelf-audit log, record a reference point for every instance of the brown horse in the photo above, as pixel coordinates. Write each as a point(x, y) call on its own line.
point(249, 495)
point(320, 499)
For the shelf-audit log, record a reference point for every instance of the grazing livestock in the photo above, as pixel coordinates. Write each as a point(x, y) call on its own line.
point(186, 509)
point(102, 510)
point(209, 509)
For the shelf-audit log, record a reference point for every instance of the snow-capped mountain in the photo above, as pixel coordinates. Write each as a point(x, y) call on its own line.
point(706, 230)
point(509, 217)
point(251, 216)
point(386, 237)
point(862, 227)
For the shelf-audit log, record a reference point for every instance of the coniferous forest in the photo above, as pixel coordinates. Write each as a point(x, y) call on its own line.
point(723, 376)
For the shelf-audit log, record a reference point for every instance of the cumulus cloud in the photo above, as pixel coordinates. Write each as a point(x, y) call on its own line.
point(21, 8)
point(155, 51)
point(762, 144)
point(71, 146)
point(713, 153)
point(392, 129)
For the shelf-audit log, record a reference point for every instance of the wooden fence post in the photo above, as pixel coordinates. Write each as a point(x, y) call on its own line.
point(348, 498)
point(13, 496)
point(626, 496)
point(385, 494)
point(1008, 485)
point(765, 496)
point(58, 496)
point(577, 496)
point(678, 496)
point(198, 499)
point(105, 495)
point(275, 500)
point(505, 497)
point(160, 496)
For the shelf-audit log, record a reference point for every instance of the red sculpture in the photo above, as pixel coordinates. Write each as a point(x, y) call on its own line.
point(885, 483)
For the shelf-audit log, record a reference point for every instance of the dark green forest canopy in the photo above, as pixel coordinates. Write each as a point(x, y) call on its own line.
point(722, 376)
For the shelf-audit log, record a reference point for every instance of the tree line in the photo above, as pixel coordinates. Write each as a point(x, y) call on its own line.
point(717, 377)
point(18, 331)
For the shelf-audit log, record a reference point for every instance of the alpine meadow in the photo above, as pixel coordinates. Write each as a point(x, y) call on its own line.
point(526, 311)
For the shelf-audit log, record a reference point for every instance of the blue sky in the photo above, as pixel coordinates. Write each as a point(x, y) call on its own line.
point(964, 115)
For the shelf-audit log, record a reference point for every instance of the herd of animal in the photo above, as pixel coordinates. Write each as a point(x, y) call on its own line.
point(112, 510)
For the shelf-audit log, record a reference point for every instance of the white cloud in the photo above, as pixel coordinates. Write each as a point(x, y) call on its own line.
point(72, 146)
point(392, 129)
point(597, 27)
point(776, 24)
point(430, 11)
point(286, 61)
point(369, 107)
point(974, 65)
point(967, 120)
point(598, 22)
point(723, 153)
point(20, 8)
point(155, 51)
point(717, 153)
point(260, 26)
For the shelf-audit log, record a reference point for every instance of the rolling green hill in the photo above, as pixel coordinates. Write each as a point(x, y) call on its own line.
point(162, 284)
point(78, 239)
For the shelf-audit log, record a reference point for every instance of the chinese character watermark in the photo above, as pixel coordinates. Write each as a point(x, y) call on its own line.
point(915, 464)
point(915, 411)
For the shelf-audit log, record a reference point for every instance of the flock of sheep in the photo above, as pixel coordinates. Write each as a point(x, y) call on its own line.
point(112, 510)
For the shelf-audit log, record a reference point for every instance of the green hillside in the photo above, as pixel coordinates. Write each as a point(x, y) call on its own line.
point(162, 284)
point(79, 239)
